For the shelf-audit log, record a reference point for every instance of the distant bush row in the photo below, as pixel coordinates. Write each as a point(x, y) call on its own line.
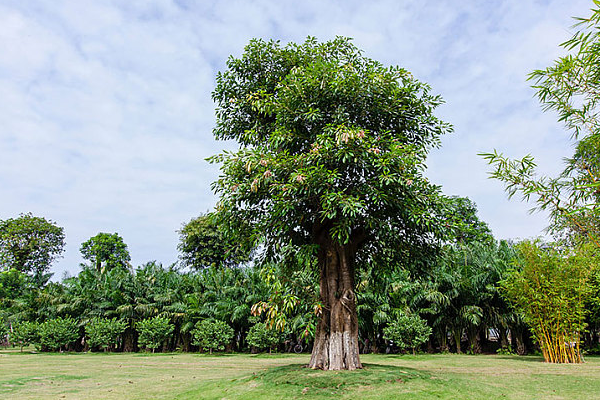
point(105, 334)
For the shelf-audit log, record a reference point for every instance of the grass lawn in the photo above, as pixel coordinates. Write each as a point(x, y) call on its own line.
point(242, 376)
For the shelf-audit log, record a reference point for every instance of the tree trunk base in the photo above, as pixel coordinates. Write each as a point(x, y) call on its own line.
point(336, 351)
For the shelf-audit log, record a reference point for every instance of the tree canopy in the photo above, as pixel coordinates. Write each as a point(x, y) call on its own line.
point(331, 140)
point(464, 224)
point(105, 251)
point(202, 244)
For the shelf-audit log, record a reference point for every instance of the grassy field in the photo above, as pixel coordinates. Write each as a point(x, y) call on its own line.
point(242, 376)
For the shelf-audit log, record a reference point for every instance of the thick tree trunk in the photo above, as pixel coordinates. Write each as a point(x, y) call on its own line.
point(336, 337)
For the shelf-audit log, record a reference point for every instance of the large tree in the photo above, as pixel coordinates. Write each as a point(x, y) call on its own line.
point(29, 245)
point(332, 152)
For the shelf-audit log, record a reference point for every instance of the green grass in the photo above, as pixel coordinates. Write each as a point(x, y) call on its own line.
point(242, 376)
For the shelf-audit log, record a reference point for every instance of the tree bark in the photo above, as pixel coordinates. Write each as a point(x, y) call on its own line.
point(457, 334)
point(503, 338)
point(474, 335)
point(443, 335)
point(517, 341)
point(129, 339)
point(431, 345)
point(336, 344)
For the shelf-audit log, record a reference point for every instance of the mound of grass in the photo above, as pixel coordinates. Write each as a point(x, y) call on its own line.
point(297, 381)
point(297, 377)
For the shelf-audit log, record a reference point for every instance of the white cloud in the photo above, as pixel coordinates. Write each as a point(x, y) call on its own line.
point(106, 111)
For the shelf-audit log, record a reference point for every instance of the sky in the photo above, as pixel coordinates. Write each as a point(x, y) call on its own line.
point(106, 114)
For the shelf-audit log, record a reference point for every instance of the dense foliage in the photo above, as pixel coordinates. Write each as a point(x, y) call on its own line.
point(57, 334)
point(550, 287)
point(261, 337)
point(458, 298)
point(407, 331)
point(29, 245)
point(24, 333)
point(106, 251)
point(104, 332)
point(212, 335)
point(329, 137)
point(153, 332)
point(203, 244)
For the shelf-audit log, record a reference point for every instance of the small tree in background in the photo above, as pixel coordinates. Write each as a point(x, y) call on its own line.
point(550, 287)
point(105, 332)
point(24, 333)
point(56, 334)
point(153, 332)
point(407, 332)
point(261, 337)
point(202, 244)
point(106, 251)
point(212, 335)
point(29, 245)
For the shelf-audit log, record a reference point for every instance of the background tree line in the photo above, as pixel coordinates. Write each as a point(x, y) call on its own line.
point(215, 299)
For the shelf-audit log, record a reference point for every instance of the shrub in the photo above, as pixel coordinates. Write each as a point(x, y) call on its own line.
point(549, 287)
point(24, 333)
point(261, 337)
point(54, 334)
point(104, 332)
point(153, 332)
point(212, 335)
point(407, 332)
point(505, 351)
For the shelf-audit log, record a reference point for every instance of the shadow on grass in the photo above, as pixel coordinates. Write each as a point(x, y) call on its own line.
point(277, 355)
point(535, 359)
point(14, 385)
point(421, 357)
point(216, 354)
point(150, 354)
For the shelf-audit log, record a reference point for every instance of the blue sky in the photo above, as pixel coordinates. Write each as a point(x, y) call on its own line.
point(106, 114)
